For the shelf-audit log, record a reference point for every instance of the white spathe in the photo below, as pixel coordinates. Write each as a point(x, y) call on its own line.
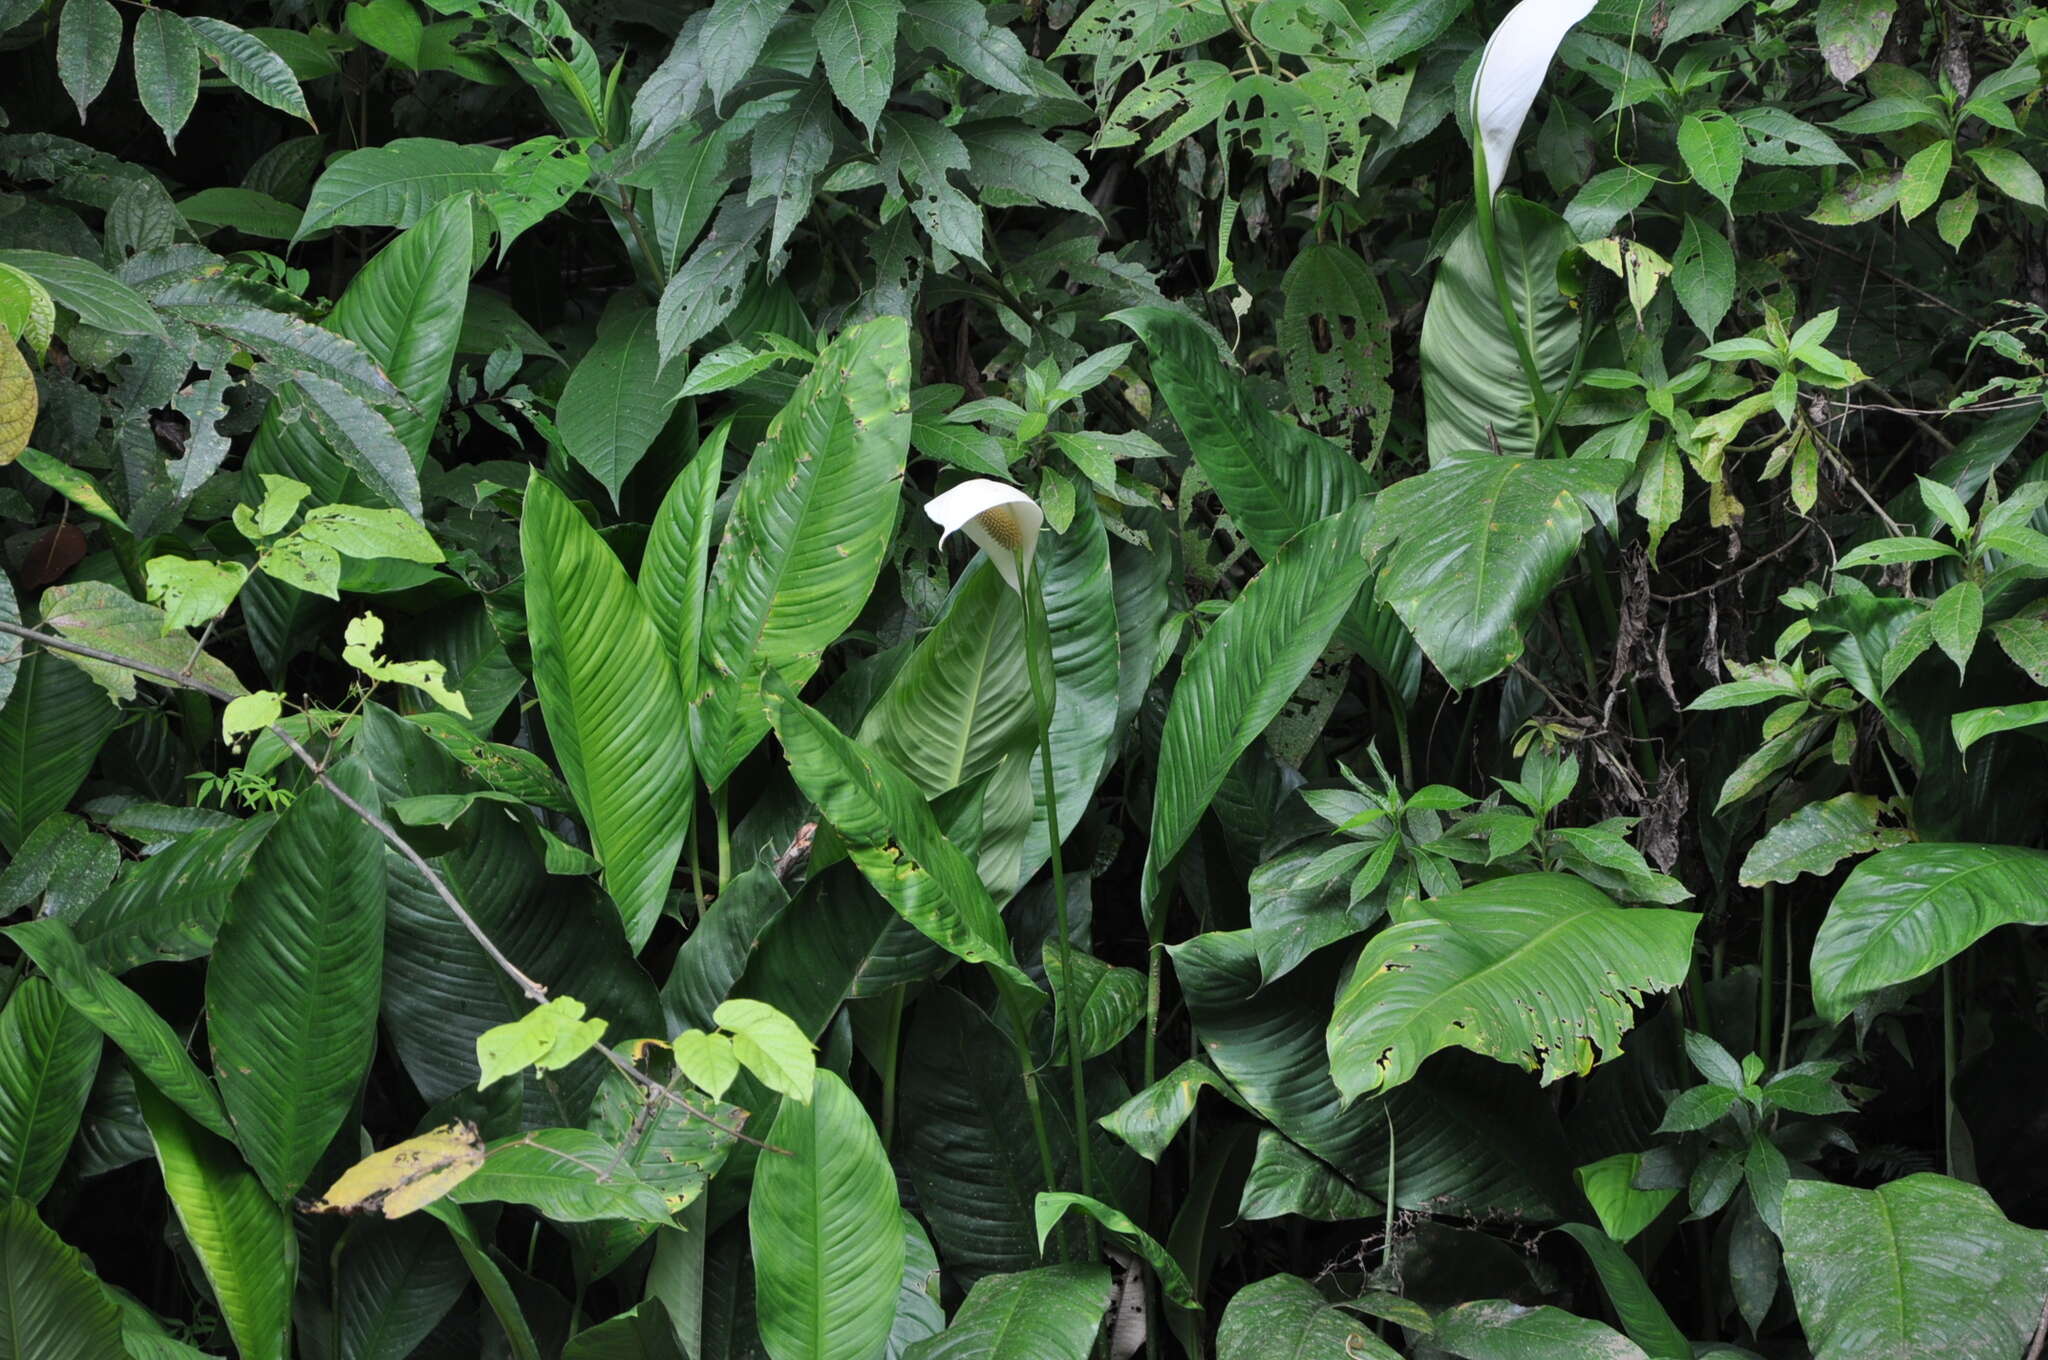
point(1510, 72)
point(1000, 518)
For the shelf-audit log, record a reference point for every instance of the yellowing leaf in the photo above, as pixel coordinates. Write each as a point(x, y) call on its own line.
point(546, 1037)
point(18, 401)
point(406, 1176)
point(366, 634)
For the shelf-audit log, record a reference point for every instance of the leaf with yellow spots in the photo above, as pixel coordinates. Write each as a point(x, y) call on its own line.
point(406, 1176)
point(18, 401)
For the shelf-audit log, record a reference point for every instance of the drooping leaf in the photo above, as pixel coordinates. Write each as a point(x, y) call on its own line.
point(569, 1175)
point(393, 1284)
point(292, 987)
point(51, 1307)
point(1817, 837)
point(1498, 1330)
point(1338, 340)
point(51, 731)
point(618, 397)
point(1052, 1313)
point(1923, 1266)
point(612, 702)
point(857, 41)
point(1640, 1314)
point(88, 47)
point(1473, 547)
point(1286, 1180)
point(394, 185)
point(828, 1244)
point(1906, 911)
point(49, 1054)
point(1284, 1315)
point(1543, 970)
point(248, 61)
point(1053, 1205)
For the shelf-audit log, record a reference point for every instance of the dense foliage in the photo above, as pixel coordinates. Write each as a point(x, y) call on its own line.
point(906, 678)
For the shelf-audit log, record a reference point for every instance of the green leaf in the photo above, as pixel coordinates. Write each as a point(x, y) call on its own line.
point(1703, 274)
point(1111, 1001)
point(857, 40)
point(1925, 174)
point(88, 47)
point(292, 987)
point(1818, 836)
point(1851, 32)
point(1973, 725)
point(1638, 1310)
point(713, 280)
point(1244, 669)
point(1537, 969)
point(1711, 146)
point(1052, 1313)
point(1338, 340)
point(51, 1307)
point(1052, 1206)
point(1904, 912)
point(827, 1234)
point(2014, 175)
point(150, 1043)
point(569, 1175)
point(545, 1038)
point(1473, 547)
point(962, 701)
point(242, 1237)
point(248, 61)
point(811, 525)
point(104, 616)
point(789, 149)
point(1149, 1120)
point(1285, 1315)
point(96, 296)
point(1956, 618)
point(1473, 387)
point(613, 706)
point(1079, 591)
point(393, 1282)
point(1286, 1180)
point(247, 211)
point(51, 731)
point(1885, 552)
point(167, 72)
point(733, 35)
point(618, 397)
point(1922, 1266)
point(49, 1054)
point(1858, 197)
point(1624, 1211)
point(768, 1044)
point(892, 836)
point(918, 156)
point(960, 29)
point(1498, 1330)
point(491, 1281)
point(677, 560)
point(1012, 162)
point(396, 184)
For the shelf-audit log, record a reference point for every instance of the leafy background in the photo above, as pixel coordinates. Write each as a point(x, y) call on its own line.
point(1505, 823)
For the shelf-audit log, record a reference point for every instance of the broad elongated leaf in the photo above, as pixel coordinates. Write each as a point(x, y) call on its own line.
point(1284, 1315)
point(1817, 837)
point(393, 1283)
point(962, 700)
point(612, 702)
point(152, 1046)
point(166, 70)
point(570, 1175)
point(1641, 1315)
point(1337, 338)
point(1466, 1131)
point(677, 562)
point(1285, 1180)
point(1081, 617)
point(1475, 394)
point(1246, 666)
point(811, 523)
point(51, 731)
point(49, 1054)
point(1904, 912)
point(405, 310)
point(857, 40)
point(892, 836)
point(1149, 1120)
point(1498, 1330)
point(1473, 546)
point(1922, 1266)
point(441, 990)
point(292, 988)
point(394, 185)
point(618, 397)
point(1543, 970)
point(1052, 1313)
point(828, 1240)
point(242, 1237)
point(98, 297)
point(1110, 1001)
point(51, 1307)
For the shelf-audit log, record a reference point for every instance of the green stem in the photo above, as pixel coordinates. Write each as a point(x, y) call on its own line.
point(1948, 1069)
point(1020, 1029)
point(1039, 638)
point(718, 809)
point(1155, 942)
point(1766, 998)
point(889, 1064)
point(1489, 242)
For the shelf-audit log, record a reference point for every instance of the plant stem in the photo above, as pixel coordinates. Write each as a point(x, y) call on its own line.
point(1948, 1068)
point(1766, 947)
point(889, 1064)
point(718, 810)
point(1489, 242)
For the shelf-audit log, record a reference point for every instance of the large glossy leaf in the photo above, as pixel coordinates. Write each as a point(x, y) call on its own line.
point(152, 1046)
point(1495, 1329)
point(613, 705)
point(618, 397)
point(677, 562)
point(1246, 666)
point(242, 1237)
point(1474, 392)
point(1922, 1266)
point(51, 1307)
point(396, 184)
point(1638, 1310)
point(441, 990)
point(1543, 970)
point(1474, 545)
point(393, 1282)
point(828, 1239)
point(1081, 618)
point(569, 1175)
point(49, 1054)
point(169, 906)
point(892, 836)
point(1467, 1132)
point(1904, 912)
point(51, 731)
point(1283, 1315)
point(292, 987)
point(963, 699)
point(405, 310)
point(811, 523)
point(1051, 1313)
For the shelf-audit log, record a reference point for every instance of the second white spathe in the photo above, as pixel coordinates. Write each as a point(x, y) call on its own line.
point(1002, 520)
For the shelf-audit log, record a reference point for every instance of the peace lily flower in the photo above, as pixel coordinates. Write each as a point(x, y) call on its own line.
point(1000, 518)
point(1511, 69)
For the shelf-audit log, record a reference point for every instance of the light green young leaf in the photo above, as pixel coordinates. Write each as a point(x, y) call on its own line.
point(365, 635)
point(768, 1044)
point(545, 1038)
